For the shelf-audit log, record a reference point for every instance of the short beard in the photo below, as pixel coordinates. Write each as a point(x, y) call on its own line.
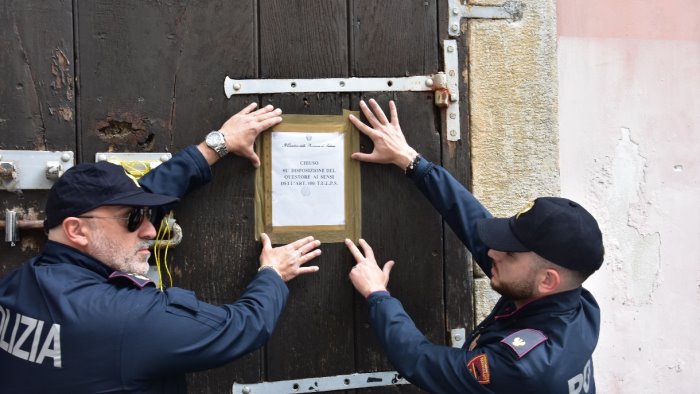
point(115, 256)
point(523, 290)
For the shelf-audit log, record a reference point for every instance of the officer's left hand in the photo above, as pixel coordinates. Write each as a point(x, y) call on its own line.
point(287, 260)
point(366, 275)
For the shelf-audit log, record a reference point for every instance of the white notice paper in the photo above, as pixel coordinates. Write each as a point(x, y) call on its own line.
point(308, 174)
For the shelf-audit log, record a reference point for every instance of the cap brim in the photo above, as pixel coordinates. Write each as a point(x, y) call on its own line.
point(142, 199)
point(497, 235)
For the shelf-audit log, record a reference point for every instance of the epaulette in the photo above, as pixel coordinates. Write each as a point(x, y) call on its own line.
point(128, 278)
point(521, 342)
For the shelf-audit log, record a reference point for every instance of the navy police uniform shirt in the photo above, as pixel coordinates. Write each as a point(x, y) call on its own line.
point(70, 324)
point(544, 346)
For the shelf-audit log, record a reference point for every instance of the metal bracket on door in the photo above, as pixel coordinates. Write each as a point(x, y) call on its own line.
point(32, 169)
point(149, 159)
point(509, 10)
point(457, 337)
point(445, 84)
point(327, 383)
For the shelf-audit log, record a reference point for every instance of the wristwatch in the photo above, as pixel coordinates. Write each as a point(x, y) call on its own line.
point(217, 142)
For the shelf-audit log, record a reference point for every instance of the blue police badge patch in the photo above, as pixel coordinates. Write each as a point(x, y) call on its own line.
point(479, 368)
point(521, 342)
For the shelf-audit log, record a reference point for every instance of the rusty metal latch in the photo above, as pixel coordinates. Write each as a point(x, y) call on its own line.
point(445, 84)
point(326, 383)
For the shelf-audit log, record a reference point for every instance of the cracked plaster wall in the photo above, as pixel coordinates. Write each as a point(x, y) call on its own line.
point(622, 85)
point(629, 75)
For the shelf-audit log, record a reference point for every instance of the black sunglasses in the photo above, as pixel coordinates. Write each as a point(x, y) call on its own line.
point(133, 221)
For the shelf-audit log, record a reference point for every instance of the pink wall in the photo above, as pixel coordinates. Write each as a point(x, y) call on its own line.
point(630, 19)
point(629, 124)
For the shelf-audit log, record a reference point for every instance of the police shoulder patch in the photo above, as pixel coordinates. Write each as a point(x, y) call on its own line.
point(123, 277)
point(523, 341)
point(479, 368)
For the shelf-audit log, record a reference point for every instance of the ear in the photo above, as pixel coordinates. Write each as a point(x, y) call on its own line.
point(75, 231)
point(549, 281)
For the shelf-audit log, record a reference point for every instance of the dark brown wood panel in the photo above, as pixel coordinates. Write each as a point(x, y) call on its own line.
point(315, 335)
point(401, 225)
point(303, 39)
point(394, 38)
point(37, 102)
point(153, 77)
point(135, 54)
point(308, 39)
point(405, 227)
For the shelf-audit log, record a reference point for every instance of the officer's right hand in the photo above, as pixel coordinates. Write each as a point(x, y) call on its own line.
point(390, 145)
point(287, 260)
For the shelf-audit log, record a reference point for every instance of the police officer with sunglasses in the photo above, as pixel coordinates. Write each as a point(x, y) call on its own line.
point(82, 317)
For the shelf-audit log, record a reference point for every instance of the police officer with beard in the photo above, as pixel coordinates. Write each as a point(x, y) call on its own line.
point(82, 318)
point(541, 334)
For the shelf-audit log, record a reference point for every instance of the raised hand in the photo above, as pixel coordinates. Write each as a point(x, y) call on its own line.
point(242, 129)
point(390, 145)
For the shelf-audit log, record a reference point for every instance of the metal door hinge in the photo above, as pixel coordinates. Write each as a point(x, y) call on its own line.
point(32, 169)
point(445, 84)
point(326, 383)
point(512, 10)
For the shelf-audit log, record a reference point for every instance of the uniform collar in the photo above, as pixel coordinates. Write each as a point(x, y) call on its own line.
point(58, 253)
point(556, 302)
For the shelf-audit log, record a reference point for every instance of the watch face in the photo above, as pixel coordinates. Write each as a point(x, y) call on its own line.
point(216, 141)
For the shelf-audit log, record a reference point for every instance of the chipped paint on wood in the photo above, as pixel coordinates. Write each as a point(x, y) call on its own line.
point(62, 74)
point(125, 130)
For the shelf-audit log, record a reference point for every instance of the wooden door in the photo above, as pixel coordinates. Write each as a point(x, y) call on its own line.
point(37, 103)
point(149, 78)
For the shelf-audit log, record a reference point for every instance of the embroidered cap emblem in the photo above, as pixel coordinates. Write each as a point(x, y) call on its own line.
point(518, 342)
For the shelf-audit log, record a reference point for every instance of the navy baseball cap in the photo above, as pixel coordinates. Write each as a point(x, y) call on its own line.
point(558, 229)
point(88, 186)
